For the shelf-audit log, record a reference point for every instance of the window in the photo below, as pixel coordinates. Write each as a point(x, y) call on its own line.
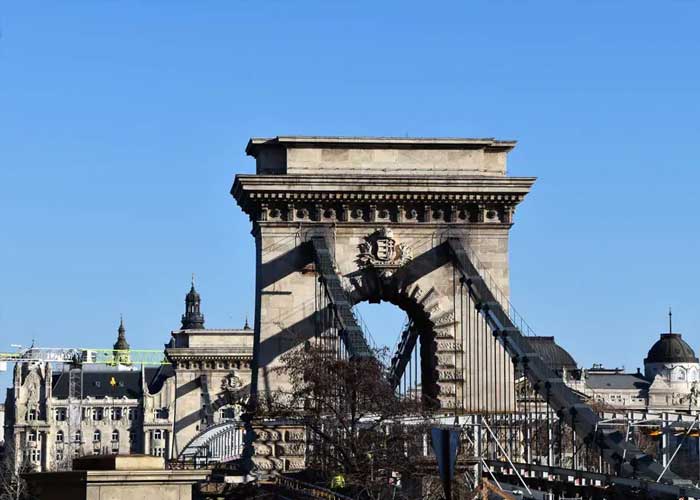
point(77, 437)
point(115, 435)
point(96, 451)
point(34, 454)
point(96, 436)
point(59, 454)
point(162, 413)
point(31, 414)
point(32, 436)
point(60, 414)
point(59, 437)
point(132, 414)
point(132, 436)
point(158, 452)
point(227, 413)
point(157, 434)
point(97, 414)
point(116, 413)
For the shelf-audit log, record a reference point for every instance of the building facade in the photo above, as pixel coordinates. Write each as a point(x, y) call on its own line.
point(669, 382)
point(57, 412)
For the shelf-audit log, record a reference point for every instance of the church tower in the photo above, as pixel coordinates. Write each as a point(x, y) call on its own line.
point(121, 346)
point(193, 319)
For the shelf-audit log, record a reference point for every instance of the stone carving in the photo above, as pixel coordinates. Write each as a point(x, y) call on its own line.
point(381, 252)
point(262, 449)
point(267, 435)
point(448, 346)
point(296, 464)
point(231, 383)
point(32, 384)
point(290, 449)
point(263, 463)
point(295, 436)
point(446, 360)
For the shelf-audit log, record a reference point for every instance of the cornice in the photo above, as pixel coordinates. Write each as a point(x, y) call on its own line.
point(345, 199)
point(209, 353)
point(341, 186)
point(489, 143)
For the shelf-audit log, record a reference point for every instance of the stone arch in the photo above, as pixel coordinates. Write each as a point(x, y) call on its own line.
point(430, 310)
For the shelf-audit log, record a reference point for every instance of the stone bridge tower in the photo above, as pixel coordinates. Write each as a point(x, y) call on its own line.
point(373, 198)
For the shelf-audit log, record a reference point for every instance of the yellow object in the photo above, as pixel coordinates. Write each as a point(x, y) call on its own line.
point(338, 482)
point(112, 382)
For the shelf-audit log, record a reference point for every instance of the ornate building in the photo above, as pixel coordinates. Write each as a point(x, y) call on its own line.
point(57, 412)
point(670, 381)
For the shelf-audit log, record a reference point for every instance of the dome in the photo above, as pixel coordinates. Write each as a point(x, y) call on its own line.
point(671, 348)
point(555, 356)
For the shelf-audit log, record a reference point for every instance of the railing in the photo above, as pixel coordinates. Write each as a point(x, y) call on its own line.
point(217, 444)
point(502, 298)
point(307, 489)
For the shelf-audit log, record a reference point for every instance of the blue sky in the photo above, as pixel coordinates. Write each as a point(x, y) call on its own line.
point(123, 123)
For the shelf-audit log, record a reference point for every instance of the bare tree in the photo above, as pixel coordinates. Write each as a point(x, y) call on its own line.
point(12, 466)
point(356, 422)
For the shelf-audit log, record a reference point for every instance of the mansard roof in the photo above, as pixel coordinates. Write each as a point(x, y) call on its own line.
point(96, 383)
point(616, 381)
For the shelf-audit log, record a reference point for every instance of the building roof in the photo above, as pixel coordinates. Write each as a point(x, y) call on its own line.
point(671, 348)
point(616, 381)
point(556, 357)
point(256, 143)
point(97, 383)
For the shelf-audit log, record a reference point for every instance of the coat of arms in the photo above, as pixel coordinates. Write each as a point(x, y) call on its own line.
point(231, 383)
point(380, 251)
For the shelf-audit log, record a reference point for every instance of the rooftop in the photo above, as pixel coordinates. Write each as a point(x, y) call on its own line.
point(361, 156)
point(616, 380)
point(255, 143)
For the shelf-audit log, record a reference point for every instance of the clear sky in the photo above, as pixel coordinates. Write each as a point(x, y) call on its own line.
point(123, 123)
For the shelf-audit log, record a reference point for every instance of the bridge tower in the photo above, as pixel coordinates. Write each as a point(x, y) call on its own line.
point(384, 208)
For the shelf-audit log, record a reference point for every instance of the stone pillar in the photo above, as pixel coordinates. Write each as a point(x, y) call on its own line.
point(147, 442)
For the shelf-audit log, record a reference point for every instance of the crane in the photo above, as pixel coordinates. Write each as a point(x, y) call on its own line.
point(81, 356)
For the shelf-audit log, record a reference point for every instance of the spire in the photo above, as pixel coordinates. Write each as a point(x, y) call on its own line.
point(246, 326)
point(121, 346)
point(670, 320)
point(193, 319)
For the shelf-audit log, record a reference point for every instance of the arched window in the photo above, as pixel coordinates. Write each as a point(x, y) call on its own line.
point(115, 435)
point(96, 436)
point(679, 374)
point(59, 437)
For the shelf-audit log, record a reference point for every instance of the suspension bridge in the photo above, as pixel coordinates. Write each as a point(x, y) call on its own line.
point(531, 431)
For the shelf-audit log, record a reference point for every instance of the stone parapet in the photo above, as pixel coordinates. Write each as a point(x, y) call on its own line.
point(379, 155)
